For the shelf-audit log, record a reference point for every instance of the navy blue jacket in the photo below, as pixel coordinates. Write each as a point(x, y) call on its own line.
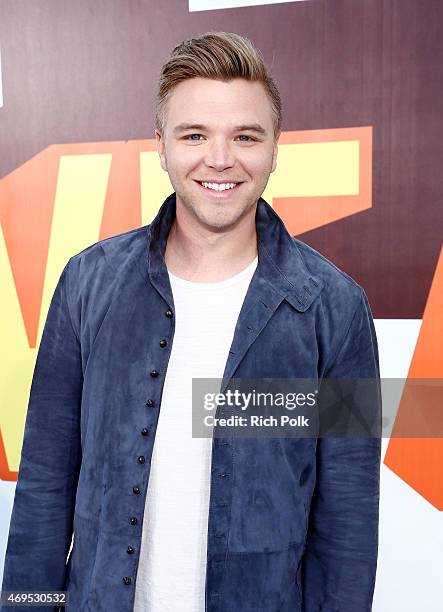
point(293, 523)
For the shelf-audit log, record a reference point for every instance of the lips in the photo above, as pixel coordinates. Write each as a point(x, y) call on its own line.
point(219, 194)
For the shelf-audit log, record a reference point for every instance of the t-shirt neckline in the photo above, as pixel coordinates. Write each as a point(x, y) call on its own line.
point(177, 280)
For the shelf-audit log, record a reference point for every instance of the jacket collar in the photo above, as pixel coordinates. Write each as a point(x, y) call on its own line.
point(280, 262)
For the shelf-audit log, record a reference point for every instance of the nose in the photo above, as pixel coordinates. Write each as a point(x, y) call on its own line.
point(219, 155)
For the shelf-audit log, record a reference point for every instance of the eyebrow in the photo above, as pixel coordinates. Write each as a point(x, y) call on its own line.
point(252, 127)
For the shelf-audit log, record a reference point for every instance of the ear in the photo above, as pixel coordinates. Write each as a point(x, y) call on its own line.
point(274, 154)
point(161, 149)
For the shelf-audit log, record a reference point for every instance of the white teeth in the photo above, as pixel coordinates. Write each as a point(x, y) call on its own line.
point(219, 187)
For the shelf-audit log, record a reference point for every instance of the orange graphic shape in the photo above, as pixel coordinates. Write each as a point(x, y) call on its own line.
point(302, 214)
point(27, 202)
point(5, 472)
point(419, 461)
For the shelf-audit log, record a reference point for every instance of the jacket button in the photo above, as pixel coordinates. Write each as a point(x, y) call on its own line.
point(136, 490)
point(150, 403)
point(141, 459)
point(145, 431)
point(154, 373)
point(169, 314)
point(133, 520)
point(127, 580)
point(163, 343)
point(130, 550)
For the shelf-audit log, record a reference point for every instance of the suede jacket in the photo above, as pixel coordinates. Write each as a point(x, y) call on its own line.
point(293, 523)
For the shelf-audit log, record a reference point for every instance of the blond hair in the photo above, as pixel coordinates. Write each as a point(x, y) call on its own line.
point(215, 55)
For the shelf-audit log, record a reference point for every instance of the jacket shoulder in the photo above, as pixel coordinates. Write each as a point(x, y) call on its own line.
point(334, 279)
point(342, 312)
point(114, 250)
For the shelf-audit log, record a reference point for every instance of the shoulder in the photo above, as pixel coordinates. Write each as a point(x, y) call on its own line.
point(113, 251)
point(342, 299)
point(107, 262)
point(95, 274)
point(335, 281)
point(342, 311)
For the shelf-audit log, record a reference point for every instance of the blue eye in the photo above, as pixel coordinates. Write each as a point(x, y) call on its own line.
point(191, 138)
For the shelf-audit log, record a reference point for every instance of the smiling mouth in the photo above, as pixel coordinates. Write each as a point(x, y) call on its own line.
point(225, 192)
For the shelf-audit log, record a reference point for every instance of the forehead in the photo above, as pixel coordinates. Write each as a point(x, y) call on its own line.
point(210, 101)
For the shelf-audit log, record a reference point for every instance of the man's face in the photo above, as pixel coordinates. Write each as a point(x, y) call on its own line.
point(218, 144)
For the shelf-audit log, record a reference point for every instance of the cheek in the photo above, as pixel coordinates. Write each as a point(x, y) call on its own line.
point(260, 168)
point(184, 160)
point(256, 162)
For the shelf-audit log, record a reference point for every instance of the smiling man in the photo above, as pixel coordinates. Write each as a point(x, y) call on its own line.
point(214, 288)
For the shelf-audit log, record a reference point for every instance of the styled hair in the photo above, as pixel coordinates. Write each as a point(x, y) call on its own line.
point(215, 55)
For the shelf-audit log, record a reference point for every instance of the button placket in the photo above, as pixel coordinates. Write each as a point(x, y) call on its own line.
point(221, 477)
point(163, 343)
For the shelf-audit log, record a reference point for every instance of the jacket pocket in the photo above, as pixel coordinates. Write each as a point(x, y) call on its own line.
point(261, 581)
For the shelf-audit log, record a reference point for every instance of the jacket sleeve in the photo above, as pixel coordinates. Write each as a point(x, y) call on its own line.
point(340, 560)
point(42, 517)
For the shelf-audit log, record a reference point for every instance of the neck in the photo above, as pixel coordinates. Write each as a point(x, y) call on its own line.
point(196, 253)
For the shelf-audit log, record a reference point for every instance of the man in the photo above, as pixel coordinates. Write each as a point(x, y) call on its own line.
point(214, 287)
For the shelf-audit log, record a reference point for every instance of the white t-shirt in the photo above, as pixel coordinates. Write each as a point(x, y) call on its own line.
point(172, 567)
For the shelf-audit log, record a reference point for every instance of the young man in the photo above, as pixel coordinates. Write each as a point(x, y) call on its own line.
point(214, 287)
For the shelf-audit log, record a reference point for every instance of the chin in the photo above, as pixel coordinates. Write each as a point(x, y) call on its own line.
point(221, 221)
